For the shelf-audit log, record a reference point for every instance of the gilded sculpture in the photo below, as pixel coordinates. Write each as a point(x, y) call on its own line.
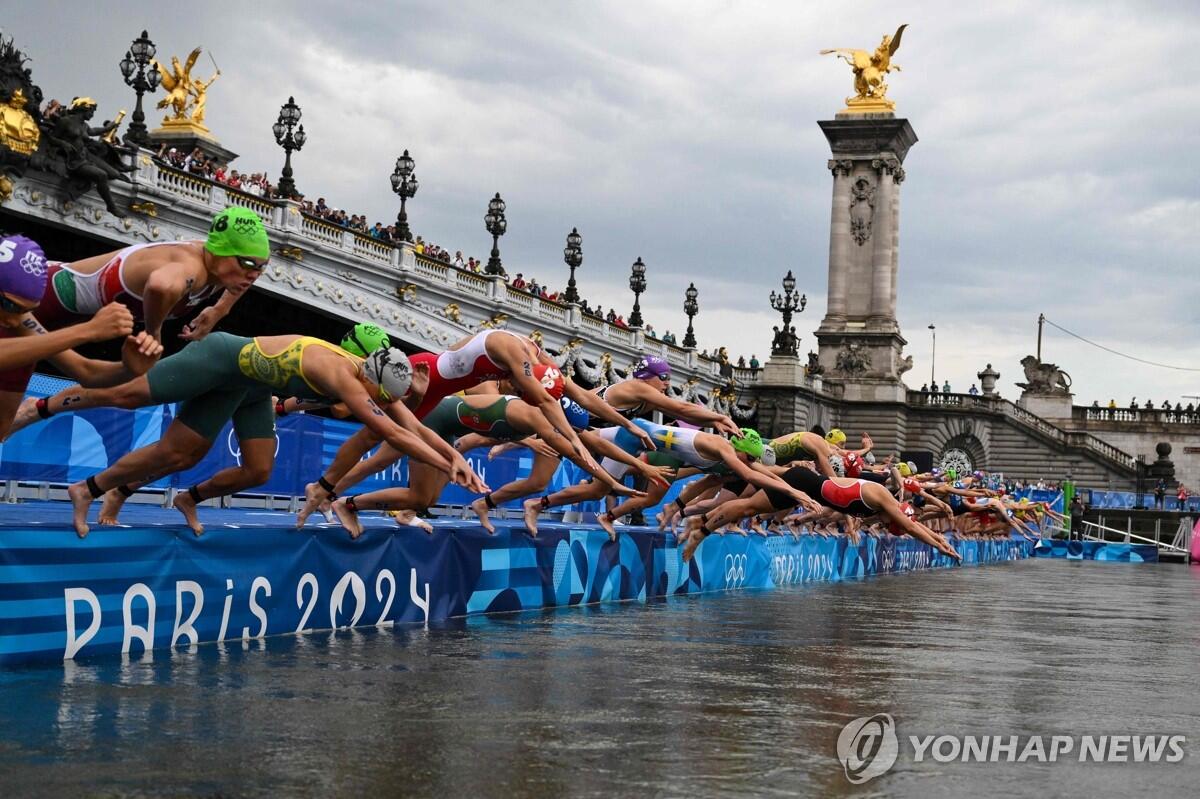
point(187, 96)
point(18, 129)
point(870, 69)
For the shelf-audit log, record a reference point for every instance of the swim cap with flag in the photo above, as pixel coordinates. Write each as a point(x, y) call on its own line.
point(551, 379)
point(363, 339)
point(750, 443)
point(389, 368)
point(238, 231)
point(22, 268)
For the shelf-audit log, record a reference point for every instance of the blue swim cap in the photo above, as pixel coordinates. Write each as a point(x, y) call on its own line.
point(577, 417)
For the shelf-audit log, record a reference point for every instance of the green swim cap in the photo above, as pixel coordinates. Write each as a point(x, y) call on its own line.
point(952, 474)
point(238, 231)
point(363, 339)
point(750, 443)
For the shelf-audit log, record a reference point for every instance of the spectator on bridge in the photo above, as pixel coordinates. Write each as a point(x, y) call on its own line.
point(519, 281)
point(924, 388)
point(946, 387)
point(754, 364)
point(1166, 406)
point(620, 322)
point(668, 337)
point(1182, 496)
point(611, 318)
point(741, 362)
point(1179, 407)
point(1112, 404)
point(1160, 493)
point(1190, 408)
point(973, 390)
point(1149, 405)
point(458, 259)
point(933, 388)
point(649, 330)
point(1133, 404)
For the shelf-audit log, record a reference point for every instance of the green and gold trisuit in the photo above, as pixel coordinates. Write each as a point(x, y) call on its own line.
point(454, 417)
point(791, 449)
point(223, 377)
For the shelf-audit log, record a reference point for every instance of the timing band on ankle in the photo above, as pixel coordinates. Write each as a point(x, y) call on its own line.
point(487, 500)
point(125, 491)
point(351, 504)
point(194, 493)
point(43, 409)
point(94, 487)
point(325, 484)
point(704, 524)
point(544, 502)
point(682, 505)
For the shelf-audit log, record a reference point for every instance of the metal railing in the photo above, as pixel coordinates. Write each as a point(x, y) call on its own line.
point(1128, 536)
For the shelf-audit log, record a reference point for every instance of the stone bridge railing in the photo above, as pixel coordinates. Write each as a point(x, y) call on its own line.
point(1031, 422)
point(425, 302)
point(1117, 417)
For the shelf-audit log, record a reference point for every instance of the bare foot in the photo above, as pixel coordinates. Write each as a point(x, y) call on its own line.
point(26, 415)
point(326, 509)
point(695, 536)
point(314, 497)
point(409, 518)
point(481, 510)
point(187, 506)
point(110, 507)
point(348, 518)
point(81, 500)
point(532, 509)
point(606, 523)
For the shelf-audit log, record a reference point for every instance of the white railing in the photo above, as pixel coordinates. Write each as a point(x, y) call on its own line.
point(552, 310)
point(472, 284)
point(435, 270)
point(521, 299)
point(372, 249)
point(321, 231)
point(258, 205)
point(184, 185)
point(1128, 536)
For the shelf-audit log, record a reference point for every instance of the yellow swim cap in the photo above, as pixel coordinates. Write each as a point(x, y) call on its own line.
point(836, 437)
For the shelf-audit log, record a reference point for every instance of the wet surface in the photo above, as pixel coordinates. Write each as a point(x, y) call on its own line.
point(738, 694)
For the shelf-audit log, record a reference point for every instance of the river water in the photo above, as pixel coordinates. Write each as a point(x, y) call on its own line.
point(740, 694)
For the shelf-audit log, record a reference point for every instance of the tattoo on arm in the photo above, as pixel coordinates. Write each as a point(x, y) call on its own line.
point(375, 409)
point(33, 324)
point(528, 369)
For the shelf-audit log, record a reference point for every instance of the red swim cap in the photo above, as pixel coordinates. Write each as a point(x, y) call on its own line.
point(912, 486)
point(551, 379)
point(853, 465)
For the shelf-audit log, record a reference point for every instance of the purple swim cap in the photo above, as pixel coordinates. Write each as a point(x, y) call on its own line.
point(652, 366)
point(22, 268)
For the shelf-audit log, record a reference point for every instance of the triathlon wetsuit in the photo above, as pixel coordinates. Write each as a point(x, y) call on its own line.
point(454, 417)
point(676, 447)
point(71, 295)
point(824, 490)
point(628, 413)
point(457, 370)
point(223, 377)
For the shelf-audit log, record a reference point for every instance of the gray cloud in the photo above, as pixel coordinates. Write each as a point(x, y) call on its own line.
point(1054, 172)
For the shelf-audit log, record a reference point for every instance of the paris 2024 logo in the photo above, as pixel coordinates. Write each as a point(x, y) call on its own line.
point(867, 747)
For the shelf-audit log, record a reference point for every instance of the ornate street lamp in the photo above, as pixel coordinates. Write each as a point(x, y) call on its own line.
point(690, 307)
point(637, 284)
point(137, 77)
point(496, 224)
point(290, 138)
point(573, 257)
point(404, 183)
point(786, 342)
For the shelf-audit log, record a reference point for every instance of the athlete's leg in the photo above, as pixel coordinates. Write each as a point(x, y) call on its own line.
point(539, 477)
point(593, 489)
point(700, 527)
point(425, 485)
point(349, 454)
point(134, 394)
point(179, 448)
point(880, 499)
point(258, 460)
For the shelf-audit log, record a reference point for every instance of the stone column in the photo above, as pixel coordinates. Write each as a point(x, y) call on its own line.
point(839, 239)
point(882, 273)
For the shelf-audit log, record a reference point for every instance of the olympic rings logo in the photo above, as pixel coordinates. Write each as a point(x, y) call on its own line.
point(735, 570)
point(235, 448)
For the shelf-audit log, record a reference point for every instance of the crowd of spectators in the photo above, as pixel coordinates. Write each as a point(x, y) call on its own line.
point(1178, 407)
point(257, 184)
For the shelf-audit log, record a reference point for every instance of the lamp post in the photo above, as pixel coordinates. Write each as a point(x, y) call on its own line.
point(637, 284)
point(405, 184)
point(933, 359)
point(690, 307)
point(786, 341)
point(290, 138)
point(496, 224)
point(137, 77)
point(573, 257)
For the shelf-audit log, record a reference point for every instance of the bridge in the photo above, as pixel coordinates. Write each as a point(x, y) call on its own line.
point(336, 272)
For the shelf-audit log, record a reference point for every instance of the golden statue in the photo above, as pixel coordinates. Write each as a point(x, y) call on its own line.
point(869, 72)
point(18, 129)
point(184, 92)
point(111, 136)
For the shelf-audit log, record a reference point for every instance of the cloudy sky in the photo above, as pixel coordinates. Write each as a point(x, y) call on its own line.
point(1056, 170)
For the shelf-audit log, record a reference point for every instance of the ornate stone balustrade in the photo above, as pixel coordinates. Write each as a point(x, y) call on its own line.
point(425, 302)
point(1118, 417)
point(1023, 418)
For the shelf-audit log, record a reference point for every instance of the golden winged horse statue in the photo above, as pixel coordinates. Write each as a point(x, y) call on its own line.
point(869, 72)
